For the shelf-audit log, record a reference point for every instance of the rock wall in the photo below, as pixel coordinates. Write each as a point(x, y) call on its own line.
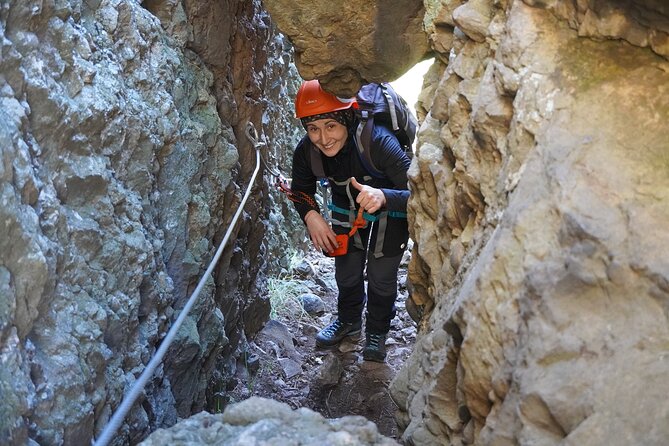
point(538, 211)
point(122, 161)
point(345, 44)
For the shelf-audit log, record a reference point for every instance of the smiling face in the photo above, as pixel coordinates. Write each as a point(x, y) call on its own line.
point(328, 135)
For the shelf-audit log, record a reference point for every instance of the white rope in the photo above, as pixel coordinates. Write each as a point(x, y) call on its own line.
point(138, 386)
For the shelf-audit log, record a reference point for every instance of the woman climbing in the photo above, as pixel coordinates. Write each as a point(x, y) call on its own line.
point(329, 151)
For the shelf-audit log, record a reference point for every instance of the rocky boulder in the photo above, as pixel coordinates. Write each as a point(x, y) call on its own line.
point(346, 44)
point(258, 421)
point(537, 213)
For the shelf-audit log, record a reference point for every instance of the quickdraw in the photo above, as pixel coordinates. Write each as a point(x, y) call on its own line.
point(281, 183)
point(297, 196)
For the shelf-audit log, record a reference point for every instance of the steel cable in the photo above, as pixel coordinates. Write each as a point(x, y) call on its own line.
point(138, 386)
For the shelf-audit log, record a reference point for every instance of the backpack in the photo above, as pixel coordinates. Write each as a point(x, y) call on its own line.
point(378, 104)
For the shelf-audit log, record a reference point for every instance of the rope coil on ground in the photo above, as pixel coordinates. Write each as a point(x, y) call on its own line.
point(125, 406)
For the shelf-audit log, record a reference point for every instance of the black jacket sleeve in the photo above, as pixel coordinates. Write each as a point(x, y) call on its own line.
point(303, 178)
point(394, 163)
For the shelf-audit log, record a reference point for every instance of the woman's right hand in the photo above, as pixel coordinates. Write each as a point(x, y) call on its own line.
point(322, 235)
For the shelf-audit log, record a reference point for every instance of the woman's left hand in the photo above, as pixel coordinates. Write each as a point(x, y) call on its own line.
point(369, 198)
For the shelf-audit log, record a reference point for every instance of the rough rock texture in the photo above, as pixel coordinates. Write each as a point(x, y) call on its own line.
point(539, 213)
point(122, 161)
point(345, 44)
point(258, 421)
point(539, 208)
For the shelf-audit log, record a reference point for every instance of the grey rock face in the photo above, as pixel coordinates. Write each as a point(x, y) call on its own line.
point(538, 213)
point(122, 161)
point(261, 421)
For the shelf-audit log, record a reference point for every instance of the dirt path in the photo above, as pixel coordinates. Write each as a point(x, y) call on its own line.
point(283, 363)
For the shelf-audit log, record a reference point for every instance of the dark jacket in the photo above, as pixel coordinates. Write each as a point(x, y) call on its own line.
point(387, 155)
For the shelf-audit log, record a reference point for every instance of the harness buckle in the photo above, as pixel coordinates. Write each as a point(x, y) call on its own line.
point(342, 239)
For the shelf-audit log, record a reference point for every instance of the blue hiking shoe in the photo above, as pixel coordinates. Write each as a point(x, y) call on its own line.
point(375, 347)
point(334, 333)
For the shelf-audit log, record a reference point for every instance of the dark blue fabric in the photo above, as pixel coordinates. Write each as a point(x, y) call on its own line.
point(381, 289)
point(388, 156)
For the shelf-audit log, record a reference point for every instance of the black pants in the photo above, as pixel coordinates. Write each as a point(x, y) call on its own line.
point(381, 288)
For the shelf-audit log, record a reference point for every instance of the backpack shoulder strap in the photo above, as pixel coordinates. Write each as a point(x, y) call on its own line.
point(316, 162)
point(391, 106)
point(363, 141)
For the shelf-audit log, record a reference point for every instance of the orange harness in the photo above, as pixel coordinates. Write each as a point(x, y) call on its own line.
point(342, 239)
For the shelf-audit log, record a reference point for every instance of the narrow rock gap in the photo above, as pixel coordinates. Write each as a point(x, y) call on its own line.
point(538, 206)
point(282, 362)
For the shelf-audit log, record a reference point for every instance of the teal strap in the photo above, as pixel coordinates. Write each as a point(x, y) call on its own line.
point(368, 217)
point(397, 214)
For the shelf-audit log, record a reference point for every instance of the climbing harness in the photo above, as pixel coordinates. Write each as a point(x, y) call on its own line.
point(381, 219)
point(138, 386)
point(342, 239)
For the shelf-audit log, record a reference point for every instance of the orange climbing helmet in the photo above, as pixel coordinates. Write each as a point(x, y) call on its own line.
point(312, 100)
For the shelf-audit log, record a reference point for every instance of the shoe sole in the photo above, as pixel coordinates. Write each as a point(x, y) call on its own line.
point(348, 335)
point(367, 357)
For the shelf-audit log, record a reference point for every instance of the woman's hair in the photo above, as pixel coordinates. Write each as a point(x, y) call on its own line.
point(345, 117)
